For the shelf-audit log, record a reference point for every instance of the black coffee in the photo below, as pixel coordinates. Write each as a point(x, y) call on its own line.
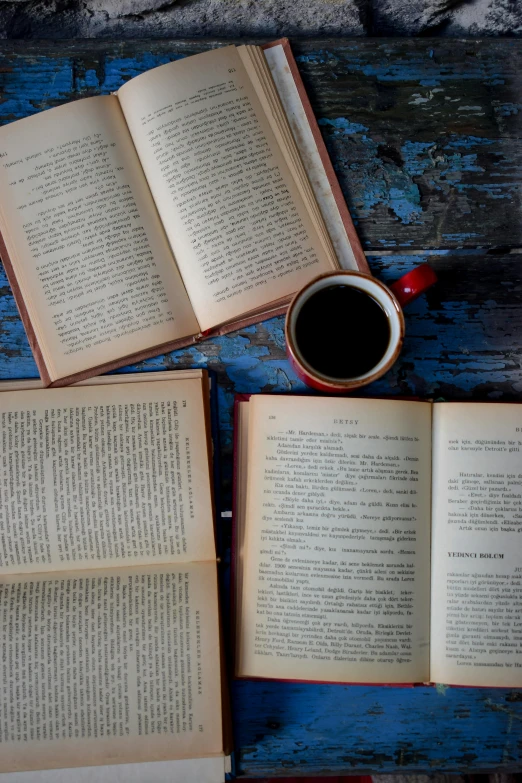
point(342, 332)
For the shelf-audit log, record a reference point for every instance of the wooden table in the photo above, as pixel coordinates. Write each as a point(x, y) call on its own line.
point(425, 137)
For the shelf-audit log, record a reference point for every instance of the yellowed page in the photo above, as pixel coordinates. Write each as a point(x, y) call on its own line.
point(476, 593)
point(294, 110)
point(99, 476)
point(254, 60)
point(204, 770)
point(232, 210)
point(108, 667)
point(336, 550)
point(25, 384)
point(85, 239)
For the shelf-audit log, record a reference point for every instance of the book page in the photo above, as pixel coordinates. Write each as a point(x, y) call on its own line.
point(87, 246)
point(99, 476)
point(108, 667)
point(204, 770)
point(336, 544)
point(232, 210)
point(311, 156)
point(24, 384)
point(259, 74)
point(476, 593)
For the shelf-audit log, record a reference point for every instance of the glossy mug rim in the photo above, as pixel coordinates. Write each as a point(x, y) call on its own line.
point(391, 307)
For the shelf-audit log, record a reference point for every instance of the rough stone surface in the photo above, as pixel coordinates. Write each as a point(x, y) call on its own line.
point(447, 17)
point(233, 18)
point(184, 18)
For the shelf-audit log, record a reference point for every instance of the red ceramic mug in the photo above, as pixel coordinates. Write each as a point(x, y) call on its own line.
point(345, 329)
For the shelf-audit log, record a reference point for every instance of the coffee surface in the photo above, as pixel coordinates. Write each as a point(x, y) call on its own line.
point(342, 332)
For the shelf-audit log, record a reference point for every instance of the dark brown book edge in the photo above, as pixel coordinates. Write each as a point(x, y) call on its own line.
point(226, 706)
point(226, 710)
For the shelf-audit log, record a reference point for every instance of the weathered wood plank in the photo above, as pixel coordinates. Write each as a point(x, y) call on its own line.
point(425, 134)
point(287, 729)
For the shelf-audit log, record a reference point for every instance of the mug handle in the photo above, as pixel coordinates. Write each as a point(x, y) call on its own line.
point(413, 284)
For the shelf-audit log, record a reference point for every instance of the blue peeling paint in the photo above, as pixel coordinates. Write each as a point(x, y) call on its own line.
point(29, 91)
point(508, 109)
point(89, 81)
point(319, 56)
point(468, 141)
point(460, 238)
point(413, 69)
point(385, 184)
point(448, 166)
point(416, 155)
point(269, 721)
point(344, 125)
point(118, 70)
point(405, 202)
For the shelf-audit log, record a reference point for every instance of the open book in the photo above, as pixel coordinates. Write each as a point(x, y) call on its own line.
point(336, 504)
point(109, 618)
point(195, 200)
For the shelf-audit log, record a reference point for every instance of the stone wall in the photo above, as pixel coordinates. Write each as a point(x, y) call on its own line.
point(233, 18)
